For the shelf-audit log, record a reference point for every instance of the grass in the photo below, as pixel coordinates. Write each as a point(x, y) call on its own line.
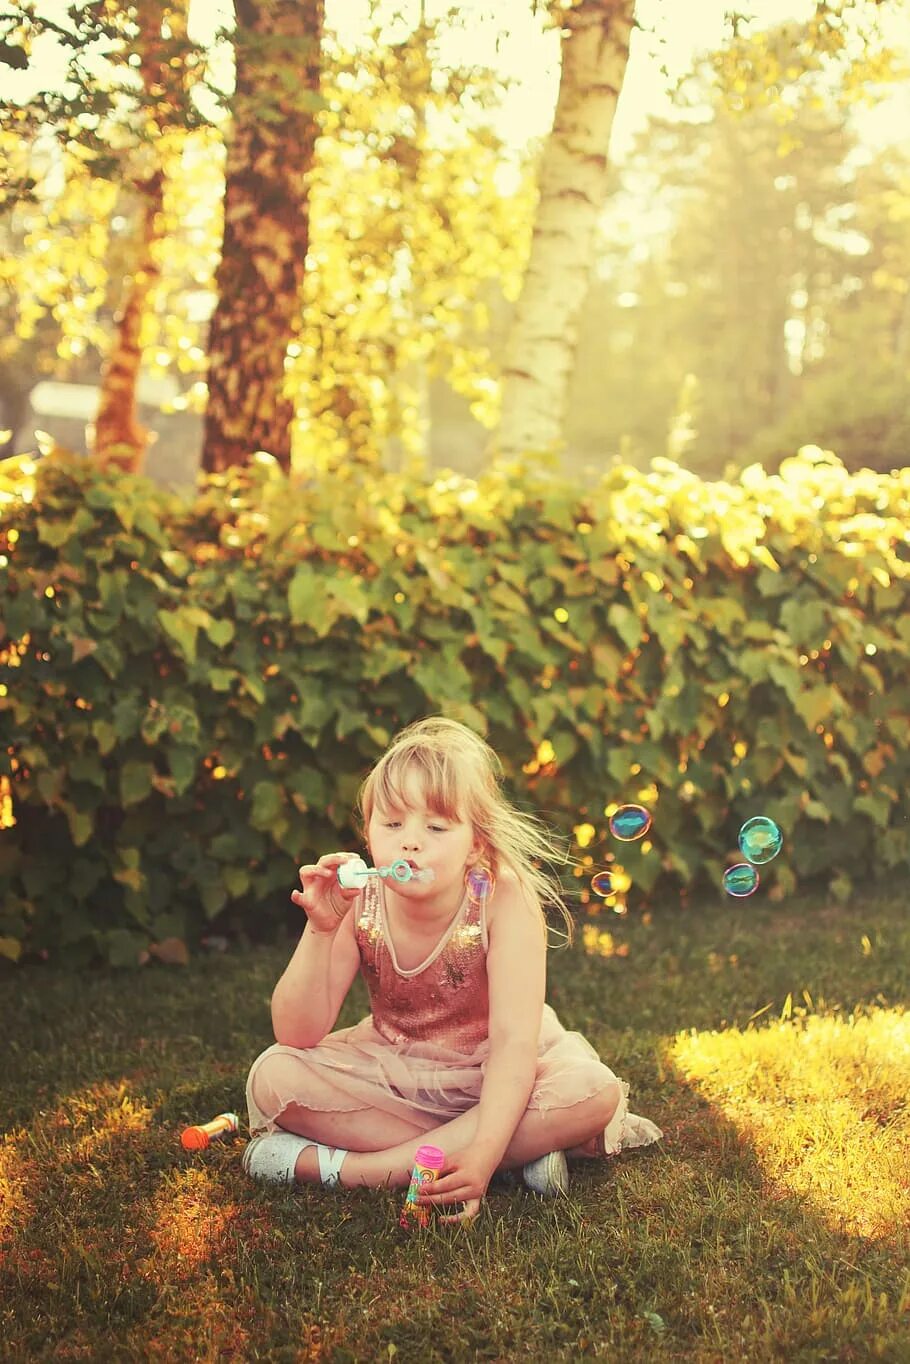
point(772, 1224)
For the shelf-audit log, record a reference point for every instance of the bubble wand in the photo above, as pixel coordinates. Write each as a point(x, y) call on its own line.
point(198, 1138)
point(352, 875)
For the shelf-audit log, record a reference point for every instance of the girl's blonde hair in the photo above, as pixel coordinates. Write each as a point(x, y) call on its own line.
point(460, 775)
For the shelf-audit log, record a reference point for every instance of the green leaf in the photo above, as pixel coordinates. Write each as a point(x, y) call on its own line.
point(877, 807)
point(182, 762)
point(20, 613)
point(49, 784)
point(787, 677)
point(307, 600)
point(626, 624)
point(154, 723)
point(10, 948)
point(80, 822)
point(88, 767)
point(135, 782)
point(268, 804)
point(814, 705)
point(105, 736)
point(236, 880)
point(109, 658)
point(176, 562)
point(126, 717)
point(54, 533)
point(349, 594)
point(221, 632)
point(123, 947)
point(508, 599)
point(182, 627)
point(255, 686)
point(99, 496)
point(220, 679)
point(814, 809)
point(214, 897)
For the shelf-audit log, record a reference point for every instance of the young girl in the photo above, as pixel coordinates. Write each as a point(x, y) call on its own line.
point(460, 1050)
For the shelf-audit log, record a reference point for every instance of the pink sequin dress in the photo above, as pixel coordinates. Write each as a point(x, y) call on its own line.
point(421, 1053)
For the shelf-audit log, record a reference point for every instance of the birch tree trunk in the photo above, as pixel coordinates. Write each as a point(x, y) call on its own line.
point(573, 179)
point(119, 438)
point(266, 230)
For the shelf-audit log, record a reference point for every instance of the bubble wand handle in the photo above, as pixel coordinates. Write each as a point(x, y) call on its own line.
point(198, 1138)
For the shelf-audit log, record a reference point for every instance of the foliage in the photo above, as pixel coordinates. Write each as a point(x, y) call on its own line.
point(191, 692)
point(101, 105)
point(87, 153)
point(408, 223)
point(770, 309)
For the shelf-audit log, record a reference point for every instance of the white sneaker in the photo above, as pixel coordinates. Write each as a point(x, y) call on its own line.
point(548, 1175)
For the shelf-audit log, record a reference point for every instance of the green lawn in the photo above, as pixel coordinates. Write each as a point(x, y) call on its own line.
point(773, 1223)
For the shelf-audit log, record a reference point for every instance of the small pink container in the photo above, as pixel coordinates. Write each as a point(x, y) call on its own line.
point(428, 1161)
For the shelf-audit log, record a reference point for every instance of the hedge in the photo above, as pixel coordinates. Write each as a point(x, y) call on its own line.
point(192, 688)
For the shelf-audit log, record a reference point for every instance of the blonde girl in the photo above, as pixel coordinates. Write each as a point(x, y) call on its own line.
point(460, 1049)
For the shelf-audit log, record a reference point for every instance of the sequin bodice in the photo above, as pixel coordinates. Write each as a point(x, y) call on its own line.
point(445, 998)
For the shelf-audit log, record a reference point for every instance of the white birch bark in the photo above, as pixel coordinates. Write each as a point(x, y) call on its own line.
point(573, 178)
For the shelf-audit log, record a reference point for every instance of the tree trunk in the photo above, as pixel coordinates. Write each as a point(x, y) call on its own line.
point(119, 438)
point(15, 389)
point(266, 230)
point(573, 179)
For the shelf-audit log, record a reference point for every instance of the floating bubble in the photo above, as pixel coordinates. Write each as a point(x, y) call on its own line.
point(630, 822)
point(479, 882)
point(740, 880)
point(760, 839)
point(602, 883)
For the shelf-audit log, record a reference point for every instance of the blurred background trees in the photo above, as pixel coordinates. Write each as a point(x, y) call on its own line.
point(748, 287)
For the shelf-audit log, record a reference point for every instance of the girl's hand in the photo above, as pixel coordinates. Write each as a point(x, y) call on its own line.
point(325, 902)
point(464, 1179)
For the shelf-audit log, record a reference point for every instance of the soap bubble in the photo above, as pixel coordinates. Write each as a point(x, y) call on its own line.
point(760, 839)
point(630, 822)
point(740, 880)
point(479, 881)
point(602, 883)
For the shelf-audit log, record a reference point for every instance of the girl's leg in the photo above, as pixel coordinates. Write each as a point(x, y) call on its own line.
point(364, 1129)
point(555, 1130)
point(278, 1084)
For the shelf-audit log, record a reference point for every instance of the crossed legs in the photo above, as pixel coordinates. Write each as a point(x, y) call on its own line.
point(381, 1147)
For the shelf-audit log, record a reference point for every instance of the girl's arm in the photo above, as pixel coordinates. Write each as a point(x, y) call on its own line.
point(308, 998)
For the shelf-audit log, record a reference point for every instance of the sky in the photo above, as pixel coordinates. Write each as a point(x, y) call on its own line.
point(671, 33)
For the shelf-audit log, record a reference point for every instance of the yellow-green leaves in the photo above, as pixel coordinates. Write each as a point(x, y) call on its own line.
point(319, 601)
point(208, 690)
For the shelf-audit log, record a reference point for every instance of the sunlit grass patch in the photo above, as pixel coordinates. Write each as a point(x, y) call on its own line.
point(824, 1102)
point(190, 1222)
point(17, 1178)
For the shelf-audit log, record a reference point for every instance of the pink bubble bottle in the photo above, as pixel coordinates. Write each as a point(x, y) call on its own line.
point(428, 1161)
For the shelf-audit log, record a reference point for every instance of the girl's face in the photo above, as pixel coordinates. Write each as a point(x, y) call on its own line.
point(428, 841)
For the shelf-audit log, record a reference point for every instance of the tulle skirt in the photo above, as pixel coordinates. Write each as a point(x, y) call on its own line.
point(426, 1084)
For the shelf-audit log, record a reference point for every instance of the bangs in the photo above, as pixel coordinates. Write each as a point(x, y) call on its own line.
point(432, 777)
